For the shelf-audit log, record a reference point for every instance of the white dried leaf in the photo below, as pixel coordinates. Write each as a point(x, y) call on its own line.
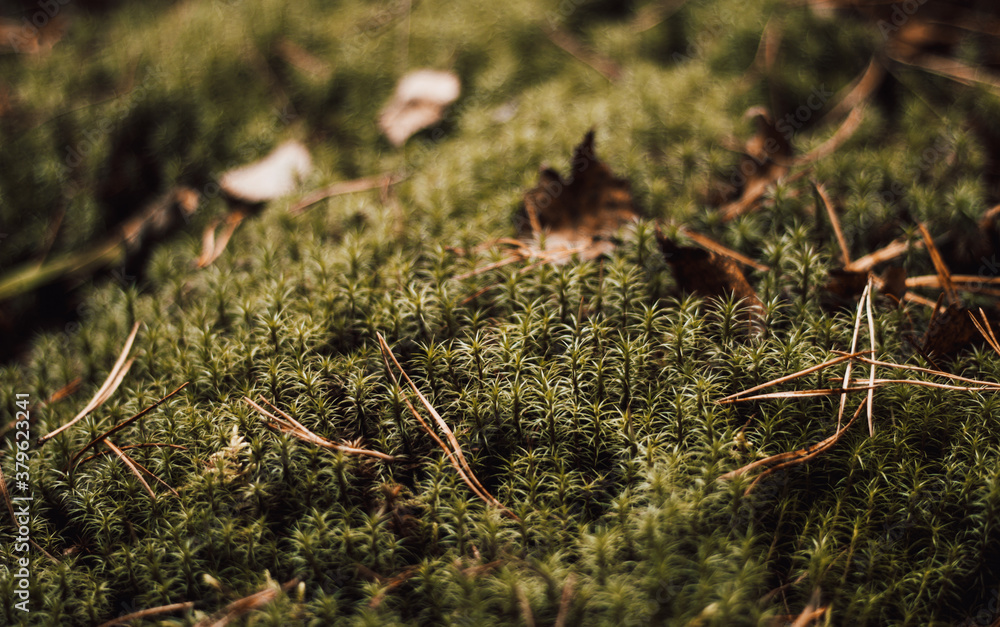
point(273, 176)
point(418, 102)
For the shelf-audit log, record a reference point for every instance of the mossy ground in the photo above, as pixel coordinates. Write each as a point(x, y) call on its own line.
point(583, 394)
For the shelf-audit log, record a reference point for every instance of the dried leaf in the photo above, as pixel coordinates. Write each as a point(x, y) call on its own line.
point(707, 274)
point(582, 211)
point(949, 331)
point(418, 102)
point(846, 285)
point(273, 176)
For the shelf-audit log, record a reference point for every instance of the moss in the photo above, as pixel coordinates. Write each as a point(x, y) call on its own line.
point(582, 394)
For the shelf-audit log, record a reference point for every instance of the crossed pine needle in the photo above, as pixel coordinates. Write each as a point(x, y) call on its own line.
point(791, 458)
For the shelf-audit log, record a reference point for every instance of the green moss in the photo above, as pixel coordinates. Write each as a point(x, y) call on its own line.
point(583, 394)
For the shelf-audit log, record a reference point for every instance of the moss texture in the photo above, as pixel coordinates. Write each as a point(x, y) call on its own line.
point(583, 394)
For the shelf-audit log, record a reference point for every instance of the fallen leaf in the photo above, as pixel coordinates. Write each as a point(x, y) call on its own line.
point(272, 177)
point(845, 285)
point(705, 273)
point(418, 102)
point(949, 331)
point(581, 212)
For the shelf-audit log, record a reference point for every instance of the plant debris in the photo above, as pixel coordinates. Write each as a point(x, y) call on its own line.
point(419, 101)
point(114, 379)
point(287, 424)
point(274, 176)
point(155, 221)
point(709, 275)
point(580, 213)
point(247, 604)
point(767, 157)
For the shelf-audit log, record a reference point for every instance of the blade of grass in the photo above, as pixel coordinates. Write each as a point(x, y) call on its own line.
point(854, 349)
point(131, 446)
point(942, 373)
point(455, 452)
point(871, 344)
point(809, 452)
point(986, 330)
point(800, 394)
point(287, 424)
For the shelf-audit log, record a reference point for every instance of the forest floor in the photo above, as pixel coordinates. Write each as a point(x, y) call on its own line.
point(286, 345)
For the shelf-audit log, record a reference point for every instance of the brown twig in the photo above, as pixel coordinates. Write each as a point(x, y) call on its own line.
point(604, 66)
point(213, 248)
point(344, 187)
point(708, 243)
point(834, 221)
point(131, 466)
point(860, 90)
point(153, 611)
point(887, 253)
point(564, 601)
point(986, 330)
point(246, 605)
point(942, 373)
point(843, 391)
point(809, 452)
point(131, 446)
point(939, 266)
point(843, 133)
point(790, 377)
point(287, 424)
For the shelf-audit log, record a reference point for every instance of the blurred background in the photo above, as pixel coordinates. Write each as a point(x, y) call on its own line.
point(108, 108)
